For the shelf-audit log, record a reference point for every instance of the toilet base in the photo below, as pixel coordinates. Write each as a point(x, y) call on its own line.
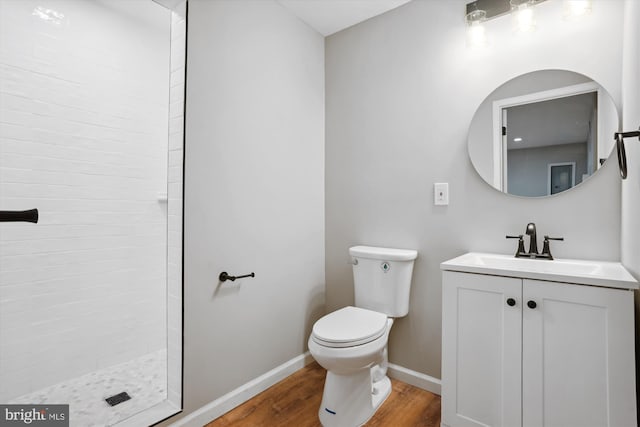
point(351, 400)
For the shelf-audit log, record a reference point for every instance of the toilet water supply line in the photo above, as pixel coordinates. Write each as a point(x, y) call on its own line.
point(622, 153)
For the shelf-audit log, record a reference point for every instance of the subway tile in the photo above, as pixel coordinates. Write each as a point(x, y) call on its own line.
point(84, 138)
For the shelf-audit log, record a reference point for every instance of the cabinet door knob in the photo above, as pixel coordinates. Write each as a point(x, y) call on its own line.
point(531, 304)
point(511, 302)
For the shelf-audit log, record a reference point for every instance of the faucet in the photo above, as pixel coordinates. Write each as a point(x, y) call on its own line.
point(533, 244)
point(533, 239)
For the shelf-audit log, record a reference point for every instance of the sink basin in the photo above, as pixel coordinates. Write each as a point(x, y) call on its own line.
point(599, 273)
point(561, 266)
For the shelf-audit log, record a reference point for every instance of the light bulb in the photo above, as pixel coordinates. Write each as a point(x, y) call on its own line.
point(576, 8)
point(476, 32)
point(525, 19)
point(523, 16)
point(476, 35)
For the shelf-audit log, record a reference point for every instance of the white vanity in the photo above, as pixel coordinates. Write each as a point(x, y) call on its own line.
point(537, 343)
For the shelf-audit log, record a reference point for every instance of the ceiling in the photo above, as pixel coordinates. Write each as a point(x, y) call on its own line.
point(558, 121)
point(169, 4)
point(330, 16)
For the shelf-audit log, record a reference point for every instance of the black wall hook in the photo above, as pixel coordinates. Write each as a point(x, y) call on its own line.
point(622, 153)
point(224, 276)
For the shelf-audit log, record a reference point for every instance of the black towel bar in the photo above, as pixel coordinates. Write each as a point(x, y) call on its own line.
point(224, 276)
point(30, 215)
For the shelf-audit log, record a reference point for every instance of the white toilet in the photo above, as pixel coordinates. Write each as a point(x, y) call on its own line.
point(351, 343)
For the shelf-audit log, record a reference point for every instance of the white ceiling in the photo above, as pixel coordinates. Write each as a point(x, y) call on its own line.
point(558, 121)
point(169, 4)
point(330, 16)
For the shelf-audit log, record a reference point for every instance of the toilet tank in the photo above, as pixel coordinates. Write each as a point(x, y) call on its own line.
point(382, 278)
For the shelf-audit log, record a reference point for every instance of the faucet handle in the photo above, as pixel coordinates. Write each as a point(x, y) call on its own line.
point(520, 244)
point(546, 250)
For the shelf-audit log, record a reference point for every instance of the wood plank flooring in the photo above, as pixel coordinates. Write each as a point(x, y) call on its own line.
point(294, 402)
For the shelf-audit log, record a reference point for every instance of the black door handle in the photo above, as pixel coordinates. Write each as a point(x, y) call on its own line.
point(531, 304)
point(511, 302)
point(19, 216)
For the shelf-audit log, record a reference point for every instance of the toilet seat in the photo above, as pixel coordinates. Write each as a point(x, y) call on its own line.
point(348, 327)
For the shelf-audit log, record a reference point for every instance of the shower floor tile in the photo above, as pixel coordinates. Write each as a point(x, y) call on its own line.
point(143, 378)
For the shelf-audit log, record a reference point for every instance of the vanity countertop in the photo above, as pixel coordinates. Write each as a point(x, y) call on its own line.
point(583, 272)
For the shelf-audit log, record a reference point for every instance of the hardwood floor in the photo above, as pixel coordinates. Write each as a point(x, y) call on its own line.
point(294, 402)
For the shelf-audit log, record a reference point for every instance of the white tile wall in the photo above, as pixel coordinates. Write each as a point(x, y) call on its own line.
point(83, 138)
point(176, 155)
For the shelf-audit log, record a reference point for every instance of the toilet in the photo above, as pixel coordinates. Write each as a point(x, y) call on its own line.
point(351, 343)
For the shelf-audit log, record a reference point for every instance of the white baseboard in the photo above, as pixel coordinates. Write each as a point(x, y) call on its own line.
point(224, 404)
point(415, 378)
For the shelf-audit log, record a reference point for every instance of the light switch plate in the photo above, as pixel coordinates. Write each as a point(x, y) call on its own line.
point(441, 193)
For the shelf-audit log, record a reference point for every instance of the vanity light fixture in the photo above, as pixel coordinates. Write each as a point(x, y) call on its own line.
point(476, 31)
point(523, 15)
point(479, 11)
point(518, 139)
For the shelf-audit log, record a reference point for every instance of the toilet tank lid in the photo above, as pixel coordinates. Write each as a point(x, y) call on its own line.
point(386, 254)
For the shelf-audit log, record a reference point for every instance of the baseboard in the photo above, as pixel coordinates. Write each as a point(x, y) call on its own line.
point(224, 404)
point(415, 378)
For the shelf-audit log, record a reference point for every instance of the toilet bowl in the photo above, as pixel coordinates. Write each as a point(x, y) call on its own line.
point(351, 344)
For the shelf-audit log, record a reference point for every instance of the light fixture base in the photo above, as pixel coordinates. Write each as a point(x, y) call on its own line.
point(494, 8)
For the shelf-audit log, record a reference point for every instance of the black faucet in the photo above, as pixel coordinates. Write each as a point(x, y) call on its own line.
point(533, 244)
point(533, 238)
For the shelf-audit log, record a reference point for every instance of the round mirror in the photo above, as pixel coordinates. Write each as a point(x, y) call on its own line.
point(542, 133)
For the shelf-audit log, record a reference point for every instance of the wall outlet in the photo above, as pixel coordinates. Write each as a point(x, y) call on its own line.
point(441, 193)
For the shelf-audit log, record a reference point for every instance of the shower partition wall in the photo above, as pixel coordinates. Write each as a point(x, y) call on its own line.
point(91, 113)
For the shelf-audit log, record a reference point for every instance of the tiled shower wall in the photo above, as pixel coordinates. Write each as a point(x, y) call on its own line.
point(83, 137)
point(176, 156)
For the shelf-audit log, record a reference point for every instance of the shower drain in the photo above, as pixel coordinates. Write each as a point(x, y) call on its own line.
point(118, 398)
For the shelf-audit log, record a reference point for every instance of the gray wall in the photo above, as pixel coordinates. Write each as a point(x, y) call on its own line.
point(528, 167)
point(401, 90)
point(631, 186)
point(254, 193)
point(631, 121)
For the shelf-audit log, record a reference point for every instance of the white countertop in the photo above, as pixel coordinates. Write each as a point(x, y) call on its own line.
point(583, 272)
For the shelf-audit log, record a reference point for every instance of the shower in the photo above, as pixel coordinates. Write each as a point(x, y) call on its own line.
point(91, 148)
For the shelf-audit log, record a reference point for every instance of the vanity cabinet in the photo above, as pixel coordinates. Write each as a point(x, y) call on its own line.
point(532, 353)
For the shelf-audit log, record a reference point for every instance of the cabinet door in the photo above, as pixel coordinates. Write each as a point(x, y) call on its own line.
point(481, 350)
point(577, 356)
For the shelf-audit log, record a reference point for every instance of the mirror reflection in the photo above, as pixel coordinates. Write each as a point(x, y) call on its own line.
point(542, 133)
